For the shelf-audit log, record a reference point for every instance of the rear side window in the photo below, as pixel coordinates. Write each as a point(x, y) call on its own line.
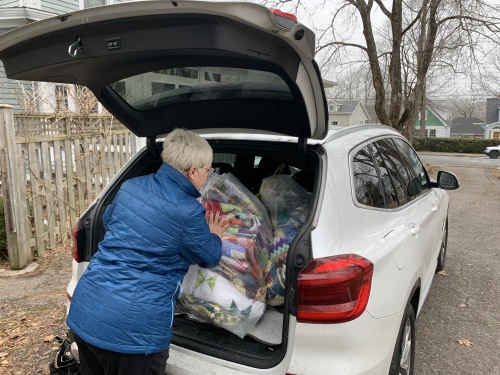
point(389, 187)
point(419, 179)
point(396, 169)
point(367, 184)
point(388, 173)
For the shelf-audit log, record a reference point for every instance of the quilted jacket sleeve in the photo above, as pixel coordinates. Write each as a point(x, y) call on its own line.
point(107, 215)
point(198, 245)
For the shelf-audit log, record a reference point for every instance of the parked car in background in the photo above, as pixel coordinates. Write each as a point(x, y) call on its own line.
point(358, 270)
point(493, 151)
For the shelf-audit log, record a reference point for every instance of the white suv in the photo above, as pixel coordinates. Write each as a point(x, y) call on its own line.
point(493, 151)
point(358, 270)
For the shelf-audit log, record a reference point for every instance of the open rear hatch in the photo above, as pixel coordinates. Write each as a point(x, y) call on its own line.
point(165, 64)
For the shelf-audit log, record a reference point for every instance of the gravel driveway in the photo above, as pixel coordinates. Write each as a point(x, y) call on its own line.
point(457, 331)
point(32, 313)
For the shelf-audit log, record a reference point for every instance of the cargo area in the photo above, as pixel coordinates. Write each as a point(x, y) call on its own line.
point(254, 330)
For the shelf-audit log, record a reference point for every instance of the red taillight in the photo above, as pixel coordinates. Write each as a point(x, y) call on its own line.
point(74, 244)
point(285, 20)
point(334, 289)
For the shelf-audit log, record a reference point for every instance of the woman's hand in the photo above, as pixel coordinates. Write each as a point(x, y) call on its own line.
point(216, 223)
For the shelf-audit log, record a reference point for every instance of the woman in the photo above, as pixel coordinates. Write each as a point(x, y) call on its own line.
point(123, 306)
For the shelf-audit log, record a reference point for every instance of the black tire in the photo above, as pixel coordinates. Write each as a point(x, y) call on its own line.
point(403, 358)
point(494, 154)
point(442, 252)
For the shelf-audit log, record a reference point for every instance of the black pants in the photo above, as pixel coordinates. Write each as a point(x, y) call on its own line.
point(97, 361)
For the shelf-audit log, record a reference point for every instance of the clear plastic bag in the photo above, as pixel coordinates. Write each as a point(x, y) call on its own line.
point(232, 295)
point(288, 205)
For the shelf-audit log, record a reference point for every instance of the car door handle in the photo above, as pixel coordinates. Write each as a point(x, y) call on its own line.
point(414, 229)
point(434, 208)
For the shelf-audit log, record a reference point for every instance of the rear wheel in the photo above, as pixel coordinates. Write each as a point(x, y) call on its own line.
point(444, 246)
point(494, 154)
point(404, 353)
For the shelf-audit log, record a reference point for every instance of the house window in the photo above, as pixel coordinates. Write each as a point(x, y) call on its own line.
point(209, 76)
point(159, 87)
point(334, 123)
point(62, 101)
point(432, 133)
point(180, 72)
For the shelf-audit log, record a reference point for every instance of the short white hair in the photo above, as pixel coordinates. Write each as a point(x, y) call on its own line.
point(183, 148)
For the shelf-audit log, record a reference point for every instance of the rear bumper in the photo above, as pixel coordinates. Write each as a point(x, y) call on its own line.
point(362, 347)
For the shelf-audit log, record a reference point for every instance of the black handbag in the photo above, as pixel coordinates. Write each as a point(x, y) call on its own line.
point(64, 363)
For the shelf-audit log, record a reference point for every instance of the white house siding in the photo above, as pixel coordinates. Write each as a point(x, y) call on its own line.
point(44, 8)
point(441, 131)
point(358, 116)
point(342, 119)
point(60, 6)
point(6, 89)
point(9, 3)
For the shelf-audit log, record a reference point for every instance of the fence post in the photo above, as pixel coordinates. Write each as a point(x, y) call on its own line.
point(19, 249)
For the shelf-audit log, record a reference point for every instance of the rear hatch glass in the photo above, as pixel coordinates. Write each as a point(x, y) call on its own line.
point(190, 84)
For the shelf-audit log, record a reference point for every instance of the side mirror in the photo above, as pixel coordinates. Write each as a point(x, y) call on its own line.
point(446, 181)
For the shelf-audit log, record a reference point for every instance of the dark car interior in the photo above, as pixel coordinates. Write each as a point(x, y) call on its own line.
point(244, 164)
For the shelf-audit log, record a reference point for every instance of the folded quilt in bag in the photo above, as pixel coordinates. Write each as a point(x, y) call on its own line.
point(232, 295)
point(211, 297)
point(288, 204)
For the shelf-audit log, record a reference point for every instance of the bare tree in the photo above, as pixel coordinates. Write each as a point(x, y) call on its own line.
point(425, 36)
point(467, 106)
point(407, 45)
point(353, 84)
point(489, 80)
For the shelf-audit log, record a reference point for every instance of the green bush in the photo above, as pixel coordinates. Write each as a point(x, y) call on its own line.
point(3, 233)
point(455, 145)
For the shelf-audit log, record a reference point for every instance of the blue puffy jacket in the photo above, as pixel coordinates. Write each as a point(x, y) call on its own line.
point(155, 229)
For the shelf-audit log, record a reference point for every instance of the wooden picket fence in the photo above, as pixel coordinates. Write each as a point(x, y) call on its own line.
point(61, 165)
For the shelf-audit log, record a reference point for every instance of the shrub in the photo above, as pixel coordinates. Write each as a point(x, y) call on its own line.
point(455, 145)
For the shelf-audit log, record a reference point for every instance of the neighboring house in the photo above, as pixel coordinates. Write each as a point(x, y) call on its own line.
point(347, 112)
point(15, 13)
point(437, 122)
point(492, 123)
point(467, 127)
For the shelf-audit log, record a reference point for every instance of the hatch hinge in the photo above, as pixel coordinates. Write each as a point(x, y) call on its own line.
point(302, 150)
point(152, 149)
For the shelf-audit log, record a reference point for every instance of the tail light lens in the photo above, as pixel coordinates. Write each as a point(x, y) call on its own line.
point(334, 289)
point(74, 243)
